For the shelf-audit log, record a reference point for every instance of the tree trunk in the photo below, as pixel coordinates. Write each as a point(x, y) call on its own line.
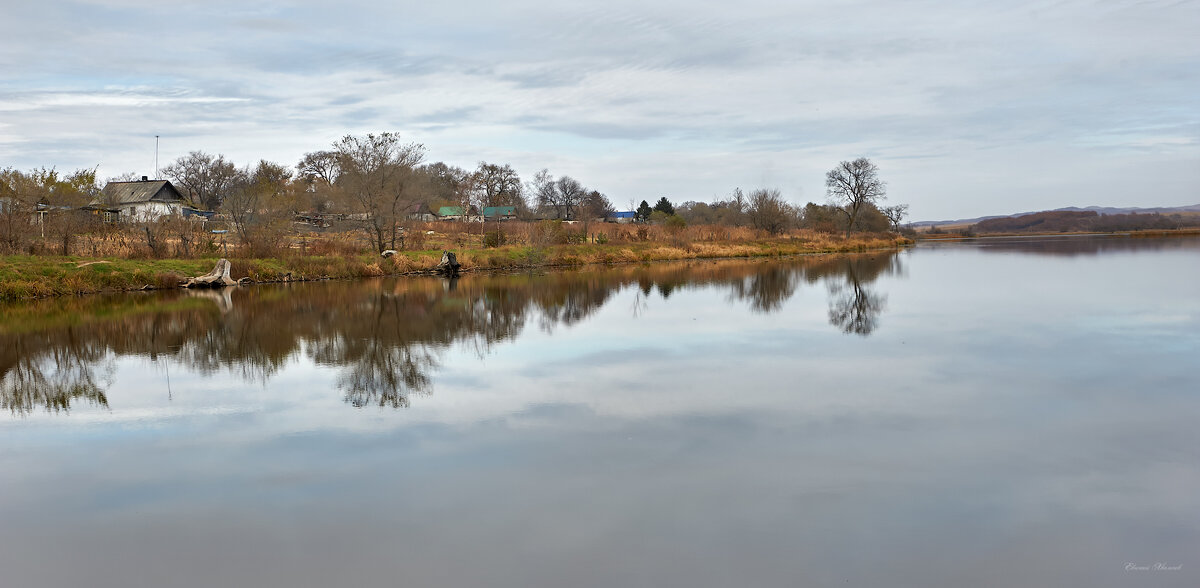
point(449, 265)
point(217, 278)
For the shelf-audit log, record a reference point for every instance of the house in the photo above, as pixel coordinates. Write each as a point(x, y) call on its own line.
point(421, 212)
point(140, 201)
point(455, 213)
point(499, 213)
point(621, 217)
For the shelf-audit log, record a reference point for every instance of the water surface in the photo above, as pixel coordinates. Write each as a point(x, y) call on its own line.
point(999, 413)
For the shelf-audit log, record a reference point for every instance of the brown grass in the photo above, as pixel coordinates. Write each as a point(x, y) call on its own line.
point(340, 255)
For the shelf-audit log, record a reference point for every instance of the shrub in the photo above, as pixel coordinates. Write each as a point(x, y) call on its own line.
point(494, 238)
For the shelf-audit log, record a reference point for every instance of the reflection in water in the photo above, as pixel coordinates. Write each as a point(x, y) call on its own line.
point(1072, 245)
point(853, 306)
point(386, 336)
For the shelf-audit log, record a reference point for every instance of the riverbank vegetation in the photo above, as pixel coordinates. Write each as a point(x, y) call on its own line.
point(370, 205)
point(328, 257)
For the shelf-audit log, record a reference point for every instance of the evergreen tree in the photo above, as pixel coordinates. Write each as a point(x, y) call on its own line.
point(643, 212)
point(665, 205)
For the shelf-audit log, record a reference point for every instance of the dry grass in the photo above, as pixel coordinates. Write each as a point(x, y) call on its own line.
point(341, 255)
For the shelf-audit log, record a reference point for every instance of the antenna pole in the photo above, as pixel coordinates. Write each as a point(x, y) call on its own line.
point(156, 157)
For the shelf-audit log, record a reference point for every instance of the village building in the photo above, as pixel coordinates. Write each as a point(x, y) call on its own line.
point(421, 212)
point(142, 201)
point(455, 213)
point(499, 213)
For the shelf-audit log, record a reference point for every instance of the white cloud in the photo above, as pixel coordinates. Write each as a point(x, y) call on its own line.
point(688, 100)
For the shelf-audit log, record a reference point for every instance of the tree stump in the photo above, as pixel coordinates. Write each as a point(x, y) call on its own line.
point(448, 266)
point(217, 278)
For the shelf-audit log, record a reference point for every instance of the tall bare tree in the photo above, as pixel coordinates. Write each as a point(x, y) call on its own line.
point(261, 206)
point(497, 185)
point(207, 179)
point(562, 196)
point(378, 175)
point(317, 175)
point(852, 185)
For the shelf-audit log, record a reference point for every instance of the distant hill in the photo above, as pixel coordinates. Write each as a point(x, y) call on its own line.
point(1099, 210)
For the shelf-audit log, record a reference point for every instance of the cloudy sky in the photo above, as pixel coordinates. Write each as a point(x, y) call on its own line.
point(968, 107)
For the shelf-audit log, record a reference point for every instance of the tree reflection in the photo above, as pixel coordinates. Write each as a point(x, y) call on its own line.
point(54, 379)
point(387, 338)
point(853, 306)
point(768, 289)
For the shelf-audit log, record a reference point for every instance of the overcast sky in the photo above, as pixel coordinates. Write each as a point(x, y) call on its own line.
point(969, 108)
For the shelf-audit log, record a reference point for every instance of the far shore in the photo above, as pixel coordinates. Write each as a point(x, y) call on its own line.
point(38, 276)
point(953, 235)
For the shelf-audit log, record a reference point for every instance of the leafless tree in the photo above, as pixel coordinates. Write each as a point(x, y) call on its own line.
point(378, 174)
point(63, 221)
point(444, 183)
point(895, 214)
point(852, 185)
point(261, 206)
point(768, 211)
point(19, 195)
point(319, 166)
point(207, 179)
point(562, 196)
point(317, 175)
point(497, 185)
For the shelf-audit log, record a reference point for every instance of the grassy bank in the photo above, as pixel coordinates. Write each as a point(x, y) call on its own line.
point(30, 276)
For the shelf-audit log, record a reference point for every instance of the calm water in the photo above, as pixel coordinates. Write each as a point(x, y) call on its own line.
point(1003, 413)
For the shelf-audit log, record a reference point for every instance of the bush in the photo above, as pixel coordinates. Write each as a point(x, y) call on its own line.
point(494, 239)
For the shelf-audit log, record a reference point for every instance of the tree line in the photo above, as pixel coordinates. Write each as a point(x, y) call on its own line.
point(383, 184)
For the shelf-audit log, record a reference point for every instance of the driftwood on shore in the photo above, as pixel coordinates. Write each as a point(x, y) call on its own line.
point(217, 278)
point(448, 266)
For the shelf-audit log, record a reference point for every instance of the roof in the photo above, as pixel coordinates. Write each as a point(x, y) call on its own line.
point(500, 211)
point(117, 193)
point(623, 214)
point(450, 211)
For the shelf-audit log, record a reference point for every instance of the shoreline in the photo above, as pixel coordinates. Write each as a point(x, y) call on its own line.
point(27, 277)
point(1148, 233)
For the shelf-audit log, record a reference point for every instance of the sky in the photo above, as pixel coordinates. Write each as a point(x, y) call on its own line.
point(968, 108)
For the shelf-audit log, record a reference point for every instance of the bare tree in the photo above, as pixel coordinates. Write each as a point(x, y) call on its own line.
point(565, 197)
point(59, 207)
point(18, 196)
point(541, 188)
point(895, 214)
point(497, 185)
point(852, 185)
point(378, 173)
point(317, 175)
point(319, 166)
point(769, 212)
point(444, 182)
point(207, 179)
point(261, 206)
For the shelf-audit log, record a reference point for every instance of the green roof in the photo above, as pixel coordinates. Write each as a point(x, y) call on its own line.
point(500, 211)
point(450, 211)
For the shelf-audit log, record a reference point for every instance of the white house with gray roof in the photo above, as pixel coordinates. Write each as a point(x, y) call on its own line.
point(140, 201)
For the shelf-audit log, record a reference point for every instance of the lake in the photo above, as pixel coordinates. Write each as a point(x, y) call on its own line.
point(1003, 412)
